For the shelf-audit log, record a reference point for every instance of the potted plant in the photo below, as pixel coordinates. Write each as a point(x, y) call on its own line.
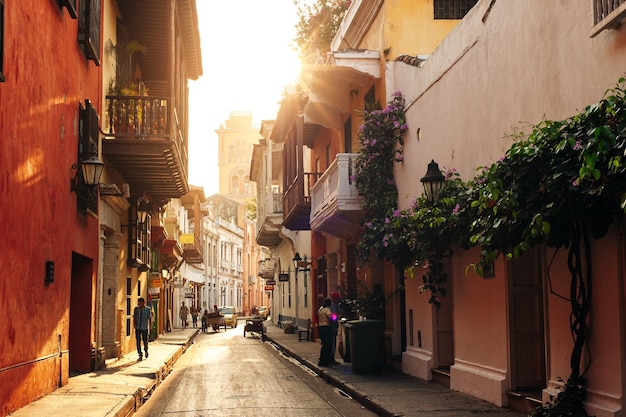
point(126, 112)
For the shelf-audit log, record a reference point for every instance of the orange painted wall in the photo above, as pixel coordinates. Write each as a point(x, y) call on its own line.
point(47, 76)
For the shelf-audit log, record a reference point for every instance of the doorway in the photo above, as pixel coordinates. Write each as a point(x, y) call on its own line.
point(526, 323)
point(81, 302)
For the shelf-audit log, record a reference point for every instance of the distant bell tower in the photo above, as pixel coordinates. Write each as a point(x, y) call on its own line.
point(236, 138)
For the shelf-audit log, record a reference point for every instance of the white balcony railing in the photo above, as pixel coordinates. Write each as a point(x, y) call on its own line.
point(336, 190)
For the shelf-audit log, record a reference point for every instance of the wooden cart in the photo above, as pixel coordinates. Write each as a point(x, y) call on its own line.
point(255, 325)
point(214, 320)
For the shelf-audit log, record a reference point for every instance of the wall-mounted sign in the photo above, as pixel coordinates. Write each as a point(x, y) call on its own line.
point(270, 282)
point(283, 277)
point(186, 238)
point(269, 288)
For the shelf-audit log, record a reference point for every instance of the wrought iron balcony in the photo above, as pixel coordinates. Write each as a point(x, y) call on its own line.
point(335, 200)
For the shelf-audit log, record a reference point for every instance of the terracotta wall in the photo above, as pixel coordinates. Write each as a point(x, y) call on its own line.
point(46, 78)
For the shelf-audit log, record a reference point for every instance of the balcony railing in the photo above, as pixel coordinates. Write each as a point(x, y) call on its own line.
point(607, 14)
point(277, 202)
point(138, 116)
point(297, 201)
point(336, 186)
point(335, 200)
point(266, 268)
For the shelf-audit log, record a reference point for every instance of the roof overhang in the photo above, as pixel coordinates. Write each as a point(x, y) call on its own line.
point(332, 83)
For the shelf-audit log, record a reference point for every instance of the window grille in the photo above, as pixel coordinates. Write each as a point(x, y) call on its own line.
point(89, 29)
point(452, 9)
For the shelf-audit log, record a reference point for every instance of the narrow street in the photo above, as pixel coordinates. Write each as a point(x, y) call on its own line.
point(226, 374)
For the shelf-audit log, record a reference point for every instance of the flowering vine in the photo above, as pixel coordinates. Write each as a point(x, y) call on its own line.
point(381, 136)
point(562, 185)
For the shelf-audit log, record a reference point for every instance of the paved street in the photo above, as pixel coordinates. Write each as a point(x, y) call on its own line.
point(225, 374)
point(190, 374)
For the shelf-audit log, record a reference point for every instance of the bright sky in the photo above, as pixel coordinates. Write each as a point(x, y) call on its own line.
point(247, 59)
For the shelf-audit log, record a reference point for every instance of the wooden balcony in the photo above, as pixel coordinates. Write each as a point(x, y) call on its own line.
point(267, 268)
point(335, 200)
point(192, 252)
point(607, 14)
point(297, 202)
point(144, 143)
point(270, 219)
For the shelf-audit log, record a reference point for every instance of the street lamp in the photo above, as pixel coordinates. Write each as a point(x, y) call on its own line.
point(142, 210)
point(296, 262)
point(433, 181)
point(300, 264)
point(90, 170)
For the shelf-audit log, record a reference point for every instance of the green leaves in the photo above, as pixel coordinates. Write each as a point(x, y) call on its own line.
point(564, 173)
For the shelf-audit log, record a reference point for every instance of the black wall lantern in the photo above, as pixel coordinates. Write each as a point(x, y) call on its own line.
point(296, 261)
point(90, 171)
point(433, 181)
point(142, 210)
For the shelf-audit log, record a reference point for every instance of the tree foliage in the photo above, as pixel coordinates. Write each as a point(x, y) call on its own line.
point(317, 25)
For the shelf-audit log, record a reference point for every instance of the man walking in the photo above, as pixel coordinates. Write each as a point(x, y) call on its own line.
point(142, 321)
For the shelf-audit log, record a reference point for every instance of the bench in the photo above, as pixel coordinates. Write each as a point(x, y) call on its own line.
point(303, 334)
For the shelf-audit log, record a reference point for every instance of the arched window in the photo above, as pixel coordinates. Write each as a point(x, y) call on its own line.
point(234, 185)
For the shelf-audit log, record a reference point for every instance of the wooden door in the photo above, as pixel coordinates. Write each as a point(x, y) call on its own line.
point(444, 330)
point(526, 320)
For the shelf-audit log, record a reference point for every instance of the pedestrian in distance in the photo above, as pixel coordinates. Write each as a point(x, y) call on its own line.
point(205, 321)
point(325, 331)
point(194, 316)
point(142, 321)
point(183, 313)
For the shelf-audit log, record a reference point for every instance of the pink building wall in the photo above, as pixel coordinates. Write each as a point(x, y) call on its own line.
point(501, 70)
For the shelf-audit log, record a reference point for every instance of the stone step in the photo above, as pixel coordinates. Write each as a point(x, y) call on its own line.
point(441, 376)
point(524, 401)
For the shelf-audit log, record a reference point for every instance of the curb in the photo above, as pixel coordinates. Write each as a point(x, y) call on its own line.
point(132, 403)
point(371, 403)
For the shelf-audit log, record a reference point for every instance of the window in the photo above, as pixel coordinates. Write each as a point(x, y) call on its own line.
point(70, 5)
point(139, 253)
point(128, 304)
point(370, 99)
point(89, 29)
point(234, 185)
point(327, 155)
point(2, 79)
point(347, 135)
point(452, 9)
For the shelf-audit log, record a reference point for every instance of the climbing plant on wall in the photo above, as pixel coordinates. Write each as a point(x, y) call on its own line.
point(559, 186)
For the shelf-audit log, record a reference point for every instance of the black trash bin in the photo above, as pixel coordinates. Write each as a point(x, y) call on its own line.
point(367, 345)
